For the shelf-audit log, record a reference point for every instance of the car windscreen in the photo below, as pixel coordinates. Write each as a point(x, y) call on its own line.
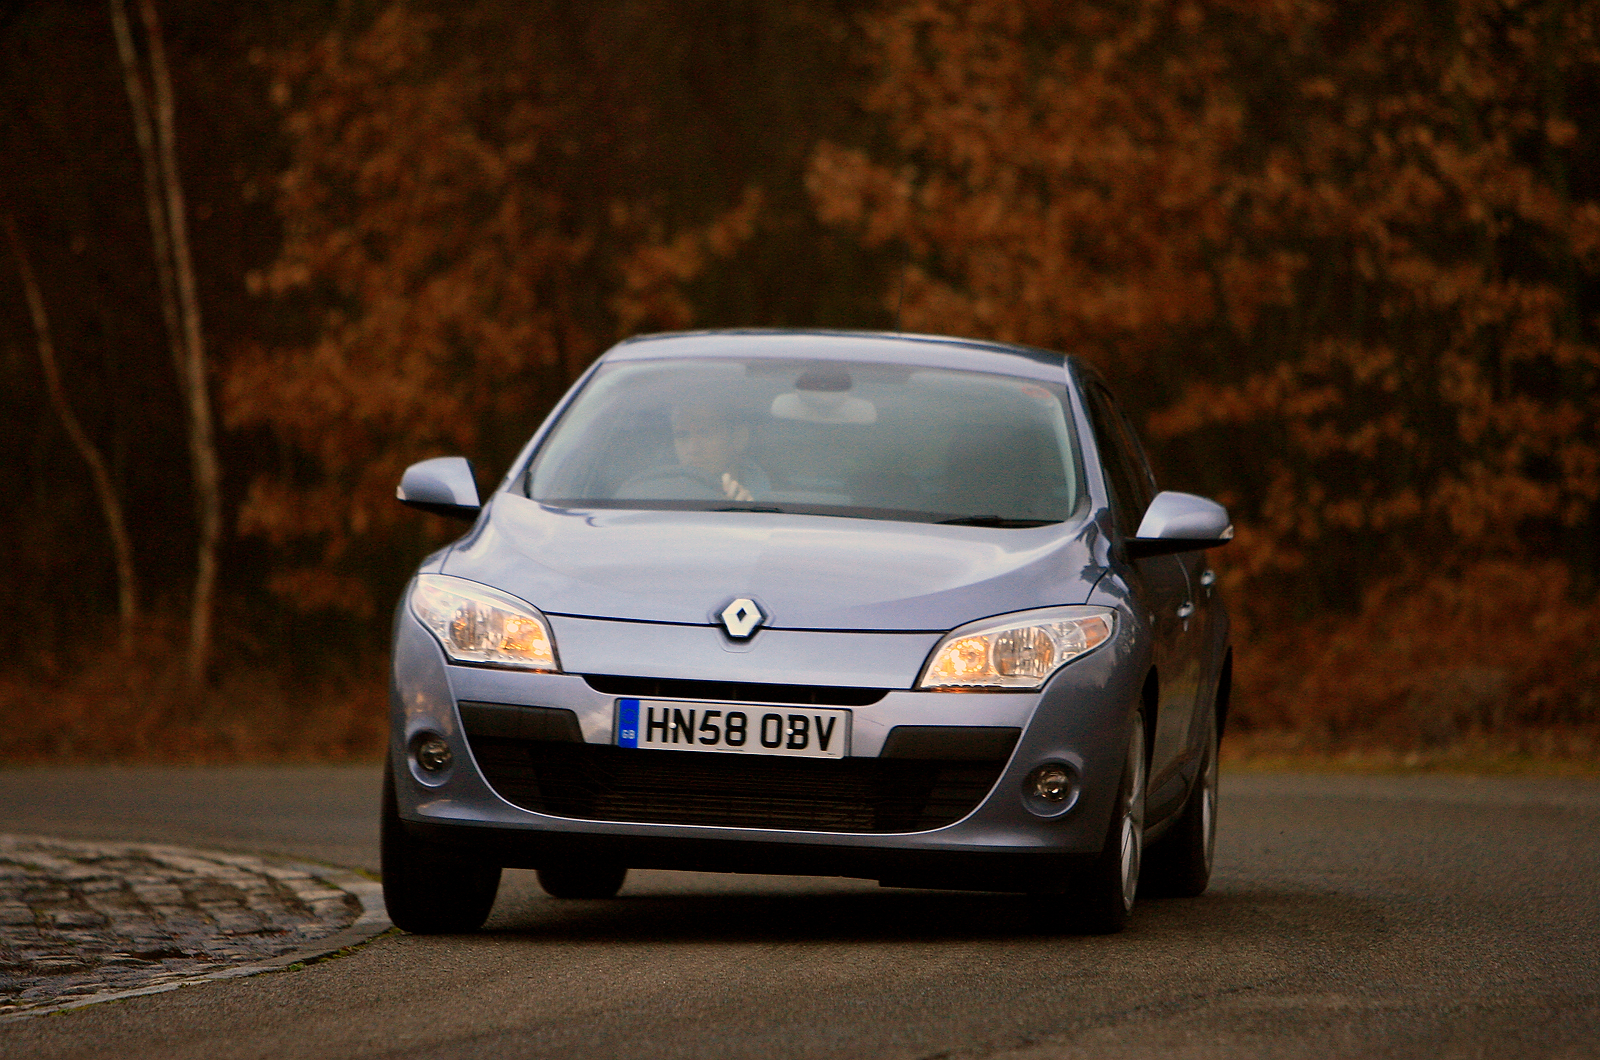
point(824, 437)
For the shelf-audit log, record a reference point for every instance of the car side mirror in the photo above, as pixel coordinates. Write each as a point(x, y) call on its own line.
point(442, 486)
point(1180, 522)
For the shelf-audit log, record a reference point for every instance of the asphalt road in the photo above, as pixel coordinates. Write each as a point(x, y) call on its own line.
point(1349, 917)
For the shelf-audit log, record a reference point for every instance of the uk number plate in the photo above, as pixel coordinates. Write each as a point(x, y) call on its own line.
point(737, 728)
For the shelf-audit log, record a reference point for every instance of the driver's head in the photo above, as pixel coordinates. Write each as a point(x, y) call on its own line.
point(707, 438)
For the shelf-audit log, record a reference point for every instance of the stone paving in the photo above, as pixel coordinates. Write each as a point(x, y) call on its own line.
point(83, 921)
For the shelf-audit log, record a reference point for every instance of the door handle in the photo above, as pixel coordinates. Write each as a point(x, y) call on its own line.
point(1185, 610)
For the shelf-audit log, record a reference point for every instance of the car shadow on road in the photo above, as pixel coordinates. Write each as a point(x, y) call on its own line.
point(1240, 913)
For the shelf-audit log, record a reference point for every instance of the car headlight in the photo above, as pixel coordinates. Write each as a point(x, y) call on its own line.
point(477, 624)
point(1016, 652)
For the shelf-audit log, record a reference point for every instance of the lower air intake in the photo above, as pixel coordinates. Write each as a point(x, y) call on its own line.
point(602, 783)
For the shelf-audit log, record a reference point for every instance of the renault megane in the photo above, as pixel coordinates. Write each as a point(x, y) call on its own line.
point(895, 607)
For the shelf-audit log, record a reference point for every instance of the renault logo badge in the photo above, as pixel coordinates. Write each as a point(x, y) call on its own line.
point(741, 618)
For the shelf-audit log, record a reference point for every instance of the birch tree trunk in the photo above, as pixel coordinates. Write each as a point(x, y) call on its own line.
point(110, 504)
point(180, 306)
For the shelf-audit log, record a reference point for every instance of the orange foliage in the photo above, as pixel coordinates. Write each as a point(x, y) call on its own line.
point(1062, 177)
point(1433, 385)
point(654, 274)
point(1116, 180)
point(1496, 649)
point(88, 703)
point(442, 272)
point(1352, 250)
point(435, 263)
point(1349, 252)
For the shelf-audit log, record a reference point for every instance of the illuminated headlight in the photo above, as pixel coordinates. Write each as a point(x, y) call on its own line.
point(1016, 652)
point(477, 624)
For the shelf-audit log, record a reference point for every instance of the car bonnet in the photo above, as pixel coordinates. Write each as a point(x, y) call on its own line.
point(804, 572)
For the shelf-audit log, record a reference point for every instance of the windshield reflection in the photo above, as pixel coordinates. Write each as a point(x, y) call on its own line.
point(853, 439)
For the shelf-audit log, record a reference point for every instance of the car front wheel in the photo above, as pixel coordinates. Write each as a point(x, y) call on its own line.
point(1179, 865)
point(1104, 895)
point(429, 889)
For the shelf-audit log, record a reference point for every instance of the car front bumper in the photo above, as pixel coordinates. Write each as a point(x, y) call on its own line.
point(1081, 718)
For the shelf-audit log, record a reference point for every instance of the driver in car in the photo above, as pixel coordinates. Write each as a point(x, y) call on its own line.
point(709, 440)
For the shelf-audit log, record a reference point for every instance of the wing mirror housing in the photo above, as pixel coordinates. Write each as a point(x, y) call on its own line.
point(442, 486)
point(1180, 522)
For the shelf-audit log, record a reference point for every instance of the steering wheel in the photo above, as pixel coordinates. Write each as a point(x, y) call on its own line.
point(671, 482)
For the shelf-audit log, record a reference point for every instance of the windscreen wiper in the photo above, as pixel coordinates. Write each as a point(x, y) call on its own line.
point(994, 520)
point(751, 508)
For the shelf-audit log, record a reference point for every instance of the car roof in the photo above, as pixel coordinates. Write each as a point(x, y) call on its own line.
point(928, 351)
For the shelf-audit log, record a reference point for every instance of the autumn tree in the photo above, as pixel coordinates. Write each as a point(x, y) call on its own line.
point(476, 205)
point(150, 95)
point(1339, 258)
point(1348, 254)
point(433, 273)
point(105, 490)
point(1432, 385)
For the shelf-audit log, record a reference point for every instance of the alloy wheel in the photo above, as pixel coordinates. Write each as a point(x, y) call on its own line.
point(1133, 814)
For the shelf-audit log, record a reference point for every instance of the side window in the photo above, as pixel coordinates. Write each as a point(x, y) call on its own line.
point(1144, 477)
point(1127, 472)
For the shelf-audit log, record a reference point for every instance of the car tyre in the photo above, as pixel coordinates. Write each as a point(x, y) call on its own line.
point(430, 889)
point(1179, 864)
point(582, 881)
point(1102, 899)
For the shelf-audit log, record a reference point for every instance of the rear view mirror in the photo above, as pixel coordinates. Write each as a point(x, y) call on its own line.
point(1180, 522)
point(442, 486)
point(822, 395)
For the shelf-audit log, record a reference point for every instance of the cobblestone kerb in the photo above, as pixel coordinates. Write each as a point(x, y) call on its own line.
point(82, 922)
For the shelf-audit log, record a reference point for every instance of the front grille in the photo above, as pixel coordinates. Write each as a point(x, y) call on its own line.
point(604, 783)
point(734, 691)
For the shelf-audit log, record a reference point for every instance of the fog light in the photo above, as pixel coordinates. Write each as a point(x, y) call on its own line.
point(1051, 789)
point(1052, 783)
point(433, 754)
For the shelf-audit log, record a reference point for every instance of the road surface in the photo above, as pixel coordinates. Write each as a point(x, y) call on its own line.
point(1349, 917)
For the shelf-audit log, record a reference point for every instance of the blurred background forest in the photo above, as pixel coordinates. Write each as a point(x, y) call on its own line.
point(1341, 260)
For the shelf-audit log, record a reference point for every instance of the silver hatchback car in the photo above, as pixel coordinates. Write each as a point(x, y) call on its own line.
point(887, 606)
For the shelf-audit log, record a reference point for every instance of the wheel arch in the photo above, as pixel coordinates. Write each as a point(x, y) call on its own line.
point(1224, 695)
point(1150, 708)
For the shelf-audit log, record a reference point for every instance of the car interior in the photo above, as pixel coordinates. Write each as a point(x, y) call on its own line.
point(986, 453)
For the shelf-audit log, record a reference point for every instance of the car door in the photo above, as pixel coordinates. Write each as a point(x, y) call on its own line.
point(1163, 586)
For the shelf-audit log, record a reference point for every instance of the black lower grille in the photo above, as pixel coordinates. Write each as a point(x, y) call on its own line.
point(599, 782)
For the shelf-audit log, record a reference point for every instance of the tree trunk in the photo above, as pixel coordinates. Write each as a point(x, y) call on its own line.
point(154, 130)
point(110, 504)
